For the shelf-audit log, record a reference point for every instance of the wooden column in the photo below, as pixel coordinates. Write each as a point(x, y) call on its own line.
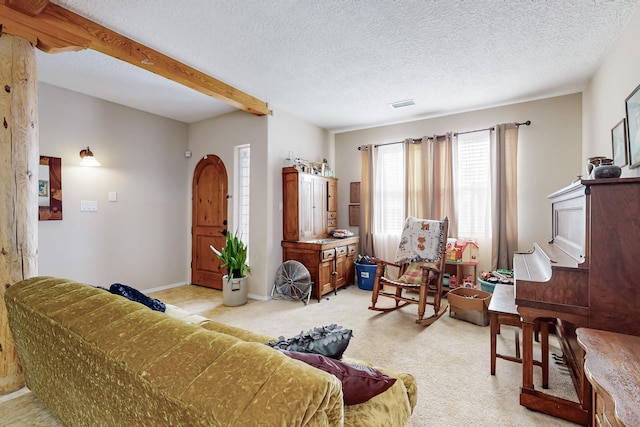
point(19, 162)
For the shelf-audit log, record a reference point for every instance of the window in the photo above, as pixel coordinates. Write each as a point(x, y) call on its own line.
point(241, 186)
point(472, 191)
point(389, 205)
point(473, 184)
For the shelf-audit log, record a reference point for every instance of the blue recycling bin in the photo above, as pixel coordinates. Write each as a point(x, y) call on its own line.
point(366, 275)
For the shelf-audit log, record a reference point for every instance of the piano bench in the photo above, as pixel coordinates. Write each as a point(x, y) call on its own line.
point(541, 327)
point(503, 311)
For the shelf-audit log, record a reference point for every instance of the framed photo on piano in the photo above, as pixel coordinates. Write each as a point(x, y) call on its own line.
point(619, 142)
point(632, 105)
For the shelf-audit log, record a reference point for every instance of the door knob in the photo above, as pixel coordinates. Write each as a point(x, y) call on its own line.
point(224, 232)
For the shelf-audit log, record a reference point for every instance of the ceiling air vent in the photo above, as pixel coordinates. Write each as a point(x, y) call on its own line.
point(400, 104)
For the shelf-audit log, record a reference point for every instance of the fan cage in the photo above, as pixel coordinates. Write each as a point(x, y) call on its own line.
point(292, 282)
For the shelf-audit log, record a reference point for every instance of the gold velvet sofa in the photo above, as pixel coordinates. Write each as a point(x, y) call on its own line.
point(94, 358)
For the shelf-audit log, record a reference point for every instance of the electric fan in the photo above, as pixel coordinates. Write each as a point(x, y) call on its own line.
point(293, 281)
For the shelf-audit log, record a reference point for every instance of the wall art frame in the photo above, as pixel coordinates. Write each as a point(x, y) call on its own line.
point(619, 143)
point(632, 107)
point(50, 189)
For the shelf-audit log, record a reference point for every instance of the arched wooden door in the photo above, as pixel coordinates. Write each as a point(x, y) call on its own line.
point(209, 221)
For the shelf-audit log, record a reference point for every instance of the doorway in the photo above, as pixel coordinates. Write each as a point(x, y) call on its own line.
point(209, 221)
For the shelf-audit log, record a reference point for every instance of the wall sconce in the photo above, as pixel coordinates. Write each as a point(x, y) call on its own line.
point(87, 158)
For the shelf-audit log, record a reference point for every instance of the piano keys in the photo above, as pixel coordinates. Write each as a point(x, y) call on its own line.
point(588, 275)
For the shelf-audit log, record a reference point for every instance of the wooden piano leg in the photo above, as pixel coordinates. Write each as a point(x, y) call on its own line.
point(544, 331)
point(537, 400)
point(527, 354)
point(495, 330)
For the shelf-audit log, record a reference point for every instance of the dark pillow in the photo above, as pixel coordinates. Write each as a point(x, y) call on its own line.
point(359, 383)
point(137, 296)
point(330, 341)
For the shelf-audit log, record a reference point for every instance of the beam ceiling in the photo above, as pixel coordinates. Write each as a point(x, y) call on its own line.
point(53, 29)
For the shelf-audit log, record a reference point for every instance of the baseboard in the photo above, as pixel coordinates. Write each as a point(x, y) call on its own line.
point(176, 285)
point(259, 297)
point(164, 288)
point(14, 394)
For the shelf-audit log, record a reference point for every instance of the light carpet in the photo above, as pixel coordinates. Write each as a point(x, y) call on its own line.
point(450, 358)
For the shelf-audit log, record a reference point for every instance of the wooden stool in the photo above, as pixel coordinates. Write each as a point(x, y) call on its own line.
point(502, 311)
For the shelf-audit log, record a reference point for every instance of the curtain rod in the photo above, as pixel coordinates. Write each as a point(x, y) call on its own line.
point(419, 140)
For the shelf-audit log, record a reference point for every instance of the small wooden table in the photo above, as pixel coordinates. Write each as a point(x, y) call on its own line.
point(503, 311)
point(612, 366)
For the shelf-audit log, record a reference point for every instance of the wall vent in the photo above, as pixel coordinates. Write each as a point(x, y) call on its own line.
point(401, 104)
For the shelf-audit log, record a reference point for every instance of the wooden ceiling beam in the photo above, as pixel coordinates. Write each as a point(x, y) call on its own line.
point(53, 29)
point(30, 7)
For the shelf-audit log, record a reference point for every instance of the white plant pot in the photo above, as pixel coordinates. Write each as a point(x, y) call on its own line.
point(234, 291)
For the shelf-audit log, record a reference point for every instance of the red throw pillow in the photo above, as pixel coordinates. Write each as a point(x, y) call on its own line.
point(359, 383)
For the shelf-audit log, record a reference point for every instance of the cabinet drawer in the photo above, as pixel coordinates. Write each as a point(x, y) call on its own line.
point(328, 254)
point(341, 251)
point(332, 223)
point(332, 215)
point(351, 249)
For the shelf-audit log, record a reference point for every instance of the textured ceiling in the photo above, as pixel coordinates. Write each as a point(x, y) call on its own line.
point(338, 64)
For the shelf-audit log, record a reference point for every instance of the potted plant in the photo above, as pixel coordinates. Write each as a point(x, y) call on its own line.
point(233, 257)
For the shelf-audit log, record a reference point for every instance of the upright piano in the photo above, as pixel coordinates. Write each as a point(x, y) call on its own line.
point(587, 275)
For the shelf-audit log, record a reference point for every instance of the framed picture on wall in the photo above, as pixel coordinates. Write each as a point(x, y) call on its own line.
point(50, 188)
point(632, 104)
point(354, 215)
point(619, 143)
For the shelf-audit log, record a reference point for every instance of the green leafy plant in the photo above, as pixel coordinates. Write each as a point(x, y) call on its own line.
point(233, 256)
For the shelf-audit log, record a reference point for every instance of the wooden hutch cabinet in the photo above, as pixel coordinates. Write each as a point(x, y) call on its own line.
point(310, 205)
point(310, 214)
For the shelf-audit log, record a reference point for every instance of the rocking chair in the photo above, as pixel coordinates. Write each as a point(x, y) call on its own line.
point(420, 259)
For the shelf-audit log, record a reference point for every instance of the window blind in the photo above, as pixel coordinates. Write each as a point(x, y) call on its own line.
point(390, 189)
point(243, 158)
point(473, 193)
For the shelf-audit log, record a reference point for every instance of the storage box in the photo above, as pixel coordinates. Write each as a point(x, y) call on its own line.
point(366, 275)
point(469, 304)
point(486, 286)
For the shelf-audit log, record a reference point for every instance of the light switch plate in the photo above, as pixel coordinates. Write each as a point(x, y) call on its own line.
point(88, 206)
point(113, 196)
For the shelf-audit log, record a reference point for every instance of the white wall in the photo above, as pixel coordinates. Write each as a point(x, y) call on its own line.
point(289, 133)
point(603, 101)
point(144, 240)
point(140, 239)
point(549, 154)
point(219, 136)
point(271, 139)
